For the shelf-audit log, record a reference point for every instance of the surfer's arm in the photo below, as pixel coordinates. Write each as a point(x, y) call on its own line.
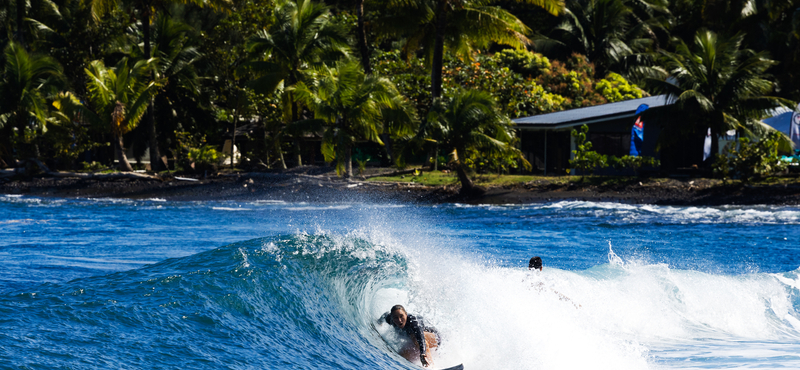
point(418, 333)
point(384, 319)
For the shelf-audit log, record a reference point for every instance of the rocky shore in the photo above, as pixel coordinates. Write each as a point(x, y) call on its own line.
point(305, 185)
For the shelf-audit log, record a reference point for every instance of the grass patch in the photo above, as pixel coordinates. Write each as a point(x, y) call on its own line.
point(438, 178)
point(434, 178)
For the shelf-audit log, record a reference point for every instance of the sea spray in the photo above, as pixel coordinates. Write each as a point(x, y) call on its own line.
point(291, 285)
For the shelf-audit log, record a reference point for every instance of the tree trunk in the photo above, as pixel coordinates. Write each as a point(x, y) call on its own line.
point(361, 36)
point(20, 21)
point(280, 151)
point(156, 164)
point(387, 144)
point(24, 150)
point(467, 186)
point(233, 137)
point(119, 147)
point(714, 147)
point(295, 118)
point(298, 150)
point(6, 147)
point(348, 164)
point(438, 51)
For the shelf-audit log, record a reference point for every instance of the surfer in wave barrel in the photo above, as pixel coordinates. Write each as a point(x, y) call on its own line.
point(423, 337)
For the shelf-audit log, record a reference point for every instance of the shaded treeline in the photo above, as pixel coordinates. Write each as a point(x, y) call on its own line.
point(293, 80)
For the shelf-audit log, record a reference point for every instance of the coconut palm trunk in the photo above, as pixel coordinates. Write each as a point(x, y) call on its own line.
point(20, 19)
point(119, 147)
point(387, 144)
point(277, 148)
point(438, 51)
point(467, 186)
point(156, 164)
point(362, 38)
point(348, 160)
point(6, 157)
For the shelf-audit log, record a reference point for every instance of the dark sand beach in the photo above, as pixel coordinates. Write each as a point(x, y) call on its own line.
point(317, 185)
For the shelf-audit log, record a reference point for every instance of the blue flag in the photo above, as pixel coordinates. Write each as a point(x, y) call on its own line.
point(637, 133)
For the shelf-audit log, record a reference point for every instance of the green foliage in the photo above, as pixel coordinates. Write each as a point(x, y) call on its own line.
point(204, 157)
point(361, 159)
point(585, 159)
point(26, 79)
point(634, 162)
point(91, 167)
point(616, 88)
point(752, 160)
point(523, 62)
point(716, 83)
point(350, 106)
point(469, 121)
point(516, 96)
point(409, 76)
point(573, 81)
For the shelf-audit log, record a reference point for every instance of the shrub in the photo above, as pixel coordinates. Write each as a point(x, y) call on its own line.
point(615, 88)
point(751, 160)
point(585, 159)
point(634, 162)
point(205, 158)
point(573, 81)
point(523, 62)
point(516, 95)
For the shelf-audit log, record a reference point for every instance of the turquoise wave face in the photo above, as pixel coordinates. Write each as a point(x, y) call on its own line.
point(290, 301)
point(153, 284)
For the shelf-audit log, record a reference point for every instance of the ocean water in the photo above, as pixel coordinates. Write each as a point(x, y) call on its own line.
point(152, 284)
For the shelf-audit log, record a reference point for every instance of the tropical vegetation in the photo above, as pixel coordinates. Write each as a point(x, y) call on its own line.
point(396, 81)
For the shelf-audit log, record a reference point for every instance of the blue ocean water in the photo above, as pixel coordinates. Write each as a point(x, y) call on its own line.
point(134, 284)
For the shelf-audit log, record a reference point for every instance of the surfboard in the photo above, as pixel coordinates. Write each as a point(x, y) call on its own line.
point(457, 367)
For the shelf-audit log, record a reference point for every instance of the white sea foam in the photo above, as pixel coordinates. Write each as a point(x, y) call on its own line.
point(231, 209)
point(318, 208)
point(690, 214)
point(630, 315)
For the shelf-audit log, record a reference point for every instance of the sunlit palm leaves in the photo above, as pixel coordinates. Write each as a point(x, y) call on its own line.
point(26, 82)
point(117, 99)
point(460, 26)
point(470, 121)
point(717, 84)
point(301, 38)
point(607, 31)
point(350, 106)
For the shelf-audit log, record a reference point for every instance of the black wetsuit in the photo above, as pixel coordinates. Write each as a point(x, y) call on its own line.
point(415, 328)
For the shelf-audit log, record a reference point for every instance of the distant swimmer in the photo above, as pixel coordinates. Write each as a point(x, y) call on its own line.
point(535, 267)
point(535, 263)
point(423, 337)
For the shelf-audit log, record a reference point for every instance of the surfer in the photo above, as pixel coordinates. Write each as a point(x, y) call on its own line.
point(423, 337)
point(535, 264)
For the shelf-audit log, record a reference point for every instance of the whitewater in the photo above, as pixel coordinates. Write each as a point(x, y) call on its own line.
point(133, 284)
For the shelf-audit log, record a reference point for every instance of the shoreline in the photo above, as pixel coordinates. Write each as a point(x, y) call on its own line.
point(325, 188)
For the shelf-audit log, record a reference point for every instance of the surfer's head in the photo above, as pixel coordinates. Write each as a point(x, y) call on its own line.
point(535, 263)
point(398, 316)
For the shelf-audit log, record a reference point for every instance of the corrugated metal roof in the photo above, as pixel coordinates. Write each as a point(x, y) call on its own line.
point(597, 113)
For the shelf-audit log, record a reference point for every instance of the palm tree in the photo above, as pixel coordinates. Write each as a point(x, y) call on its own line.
point(27, 81)
point(147, 9)
point(470, 121)
point(716, 84)
point(301, 39)
point(605, 31)
point(350, 106)
point(174, 48)
point(461, 26)
point(118, 98)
